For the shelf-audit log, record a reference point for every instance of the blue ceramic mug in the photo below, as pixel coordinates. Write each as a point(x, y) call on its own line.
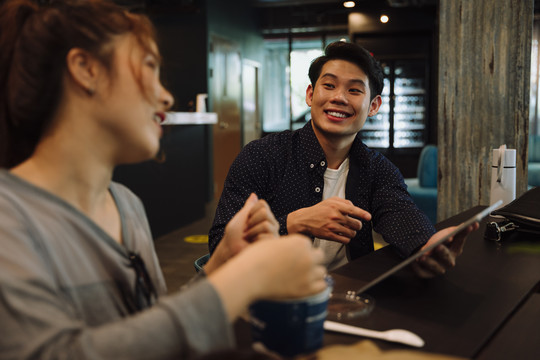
point(290, 327)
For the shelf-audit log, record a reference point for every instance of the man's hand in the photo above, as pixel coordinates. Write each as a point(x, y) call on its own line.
point(333, 219)
point(442, 257)
point(253, 222)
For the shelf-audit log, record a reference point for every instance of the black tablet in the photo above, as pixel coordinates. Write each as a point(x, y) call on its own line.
point(476, 218)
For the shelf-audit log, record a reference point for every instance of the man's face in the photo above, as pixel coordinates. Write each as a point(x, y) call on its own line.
point(340, 100)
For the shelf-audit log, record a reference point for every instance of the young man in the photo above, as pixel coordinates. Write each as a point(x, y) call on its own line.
point(324, 182)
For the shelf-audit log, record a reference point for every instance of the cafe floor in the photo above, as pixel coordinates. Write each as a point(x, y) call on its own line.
point(178, 250)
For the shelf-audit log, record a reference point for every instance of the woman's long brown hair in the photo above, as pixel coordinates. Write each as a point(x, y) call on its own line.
point(34, 41)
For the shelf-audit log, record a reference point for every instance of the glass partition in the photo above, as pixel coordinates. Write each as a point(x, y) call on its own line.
point(401, 120)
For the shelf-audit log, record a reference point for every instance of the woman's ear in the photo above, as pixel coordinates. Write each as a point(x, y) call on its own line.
point(83, 69)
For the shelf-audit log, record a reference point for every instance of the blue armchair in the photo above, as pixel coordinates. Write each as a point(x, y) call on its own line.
point(423, 188)
point(534, 161)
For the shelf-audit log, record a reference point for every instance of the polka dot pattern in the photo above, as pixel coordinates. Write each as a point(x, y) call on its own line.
point(286, 169)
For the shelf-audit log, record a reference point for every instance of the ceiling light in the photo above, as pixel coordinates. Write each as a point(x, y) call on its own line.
point(384, 18)
point(349, 4)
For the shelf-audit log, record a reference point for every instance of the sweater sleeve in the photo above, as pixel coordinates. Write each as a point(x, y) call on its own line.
point(39, 319)
point(178, 326)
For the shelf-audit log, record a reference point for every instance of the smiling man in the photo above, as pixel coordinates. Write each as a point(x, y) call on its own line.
point(324, 182)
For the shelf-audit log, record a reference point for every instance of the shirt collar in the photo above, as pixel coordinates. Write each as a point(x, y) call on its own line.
point(313, 152)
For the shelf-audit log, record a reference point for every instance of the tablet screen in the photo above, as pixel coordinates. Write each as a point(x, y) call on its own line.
point(479, 216)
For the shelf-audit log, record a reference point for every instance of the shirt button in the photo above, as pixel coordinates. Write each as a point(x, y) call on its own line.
point(317, 189)
point(322, 163)
point(312, 165)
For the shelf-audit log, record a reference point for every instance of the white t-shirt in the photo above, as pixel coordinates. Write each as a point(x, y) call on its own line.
point(335, 254)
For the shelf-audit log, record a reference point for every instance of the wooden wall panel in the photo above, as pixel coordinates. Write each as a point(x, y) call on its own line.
point(483, 95)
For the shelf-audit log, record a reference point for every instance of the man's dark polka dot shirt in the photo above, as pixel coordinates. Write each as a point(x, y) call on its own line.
point(286, 169)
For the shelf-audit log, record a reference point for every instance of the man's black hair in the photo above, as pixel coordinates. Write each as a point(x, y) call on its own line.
point(355, 54)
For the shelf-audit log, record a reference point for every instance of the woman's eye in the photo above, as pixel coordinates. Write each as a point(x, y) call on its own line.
point(151, 62)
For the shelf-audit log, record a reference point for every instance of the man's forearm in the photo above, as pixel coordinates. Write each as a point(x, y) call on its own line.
point(294, 222)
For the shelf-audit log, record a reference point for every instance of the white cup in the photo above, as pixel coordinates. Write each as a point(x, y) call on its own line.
point(201, 103)
point(503, 175)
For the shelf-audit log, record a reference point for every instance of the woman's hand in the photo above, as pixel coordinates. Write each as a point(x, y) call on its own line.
point(277, 268)
point(255, 221)
point(261, 222)
point(285, 267)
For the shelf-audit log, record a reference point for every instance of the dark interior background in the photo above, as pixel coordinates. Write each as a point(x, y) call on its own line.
point(176, 192)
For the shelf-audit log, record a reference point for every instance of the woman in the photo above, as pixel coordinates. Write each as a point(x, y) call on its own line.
point(79, 278)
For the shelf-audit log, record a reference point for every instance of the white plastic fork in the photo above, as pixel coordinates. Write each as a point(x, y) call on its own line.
point(394, 335)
